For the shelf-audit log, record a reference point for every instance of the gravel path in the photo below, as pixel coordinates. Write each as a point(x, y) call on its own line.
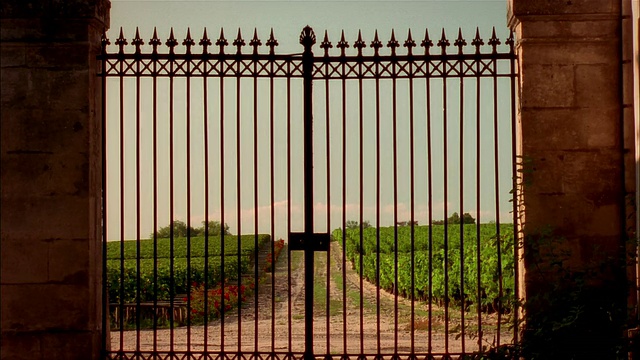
point(280, 319)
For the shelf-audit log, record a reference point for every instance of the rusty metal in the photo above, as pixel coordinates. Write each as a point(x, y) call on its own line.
point(443, 71)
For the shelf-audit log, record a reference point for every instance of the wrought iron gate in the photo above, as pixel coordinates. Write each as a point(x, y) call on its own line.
point(187, 135)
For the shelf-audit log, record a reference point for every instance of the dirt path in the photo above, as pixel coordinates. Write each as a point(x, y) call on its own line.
point(364, 323)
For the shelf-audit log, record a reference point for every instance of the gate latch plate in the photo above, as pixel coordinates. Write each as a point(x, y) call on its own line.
point(313, 242)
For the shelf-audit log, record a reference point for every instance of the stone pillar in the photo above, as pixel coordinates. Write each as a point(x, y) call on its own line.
point(572, 183)
point(51, 178)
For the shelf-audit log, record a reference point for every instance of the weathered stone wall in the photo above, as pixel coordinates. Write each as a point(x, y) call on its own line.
point(51, 178)
point(576, 145)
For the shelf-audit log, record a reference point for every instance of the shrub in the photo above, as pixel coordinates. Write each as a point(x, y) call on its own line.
point(379, 259)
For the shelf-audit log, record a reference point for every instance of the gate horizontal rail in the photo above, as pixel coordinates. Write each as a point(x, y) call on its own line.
point(230, 137)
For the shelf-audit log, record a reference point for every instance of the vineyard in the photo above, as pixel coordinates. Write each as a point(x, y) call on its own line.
point(175, 275)
point(437, 262)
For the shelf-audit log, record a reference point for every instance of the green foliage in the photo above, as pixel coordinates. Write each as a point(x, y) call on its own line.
point(391, 250)
point(238, 255)
point(207, 304)
point(353, 224)
point(572, 308)
point(455, 219)
point(182, 270)
point(246, 244)
point(180, 230)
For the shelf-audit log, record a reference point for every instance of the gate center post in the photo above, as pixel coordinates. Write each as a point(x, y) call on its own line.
point(307, 39)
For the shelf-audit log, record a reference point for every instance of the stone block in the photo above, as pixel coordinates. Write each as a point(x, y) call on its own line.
point(45, 307)
point(12, 55)
point(603, 129)
point(69, 261)
point(24, 261)
point(64, 217)
point(561, 52)
point(593, 174)
point(21, 346)
point(71, 345)
point(597, 86)
point(521, 8)
point(571, 216)
point(56, 9)
point(42, 173)
point(630, 163)
point(14, 87)
point(38, 130)
point(561, 30)
point(70, 90)
point(541, 175)
point(627, 83)
point(547, 85)
point(630, 139)
point(60, 57)
point(569, 128)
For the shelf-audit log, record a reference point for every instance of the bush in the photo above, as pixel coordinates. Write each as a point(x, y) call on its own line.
point(383, 272)
point(162, 247)
point(183, 271)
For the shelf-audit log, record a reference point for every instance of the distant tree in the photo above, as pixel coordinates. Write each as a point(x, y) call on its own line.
point(455, 219)
point(406, 223)
point(179, 230)
point(468, 219)
point(353, 224)
point(214, 228)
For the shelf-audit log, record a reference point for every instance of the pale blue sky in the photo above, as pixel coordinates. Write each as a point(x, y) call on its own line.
point(287, 18)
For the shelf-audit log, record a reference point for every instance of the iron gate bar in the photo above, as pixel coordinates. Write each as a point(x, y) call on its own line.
point(272, 43)
point(376, 44)
point(187, 65)
point(359, 44)
point(427, 44)
point(477, 42)
point(326, 45)
point(516, 233)
point(409, 44)
point(239, 42)
point(205, 42)
point(460, 42)
point(104, 42)
point(494, 44)
point(342, 45)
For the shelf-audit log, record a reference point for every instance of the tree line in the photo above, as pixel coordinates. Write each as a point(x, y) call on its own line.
point(451, 220)
point(180, 229)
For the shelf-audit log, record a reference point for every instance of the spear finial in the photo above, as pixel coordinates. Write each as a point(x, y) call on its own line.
point(326, 44)
point(271, 43)
point(359, 44)
point(494, 41)
point(426, 42)
point(239, 42)
point(121, 41)
point(409, 43)
point(171, 42)
point(443, 43)
point(460, 41)
point(342, 44)
point(255, 42)
point(137, 41)
point(477, 41)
